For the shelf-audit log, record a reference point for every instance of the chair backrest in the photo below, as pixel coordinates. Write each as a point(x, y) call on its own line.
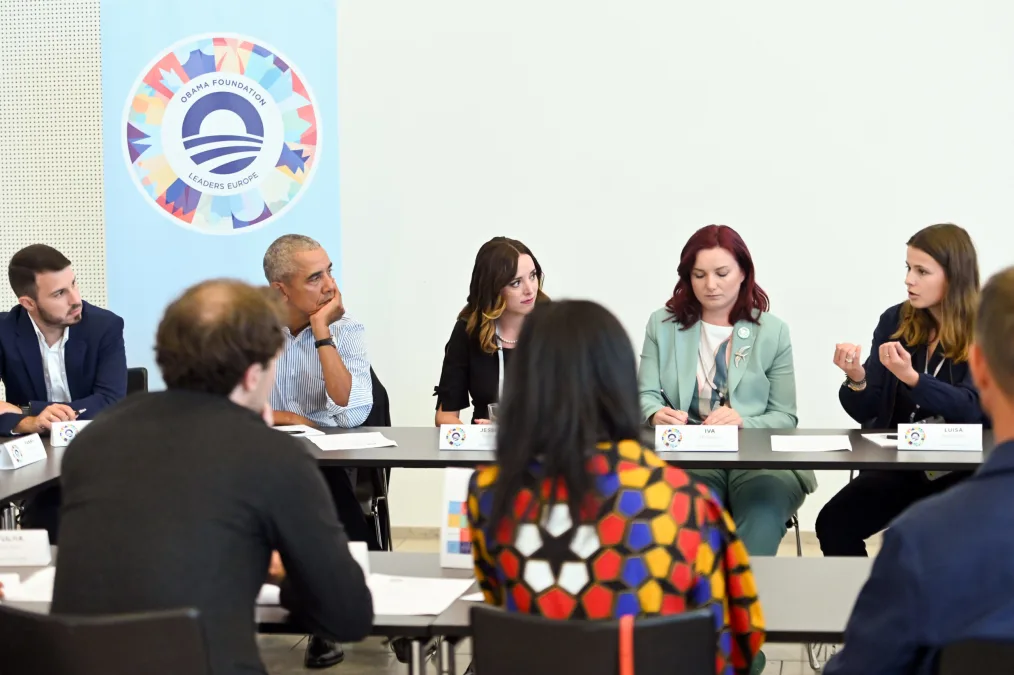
point(137, 380)
point(506, 643)
point(153, 643)
point(976, 656)
point(380, 414)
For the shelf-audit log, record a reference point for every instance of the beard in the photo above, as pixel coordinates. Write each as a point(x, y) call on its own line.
point(60, 321)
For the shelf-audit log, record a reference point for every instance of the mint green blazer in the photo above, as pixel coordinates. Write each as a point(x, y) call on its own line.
point(762, 381)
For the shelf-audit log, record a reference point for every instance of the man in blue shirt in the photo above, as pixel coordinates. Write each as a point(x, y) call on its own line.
point(944, 572)
point(323, 377)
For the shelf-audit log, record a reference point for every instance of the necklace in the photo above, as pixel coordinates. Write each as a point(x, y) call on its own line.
point(506, 342)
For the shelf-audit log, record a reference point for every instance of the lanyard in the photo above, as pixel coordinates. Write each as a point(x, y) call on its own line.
point(499, 353)
point(925, 370)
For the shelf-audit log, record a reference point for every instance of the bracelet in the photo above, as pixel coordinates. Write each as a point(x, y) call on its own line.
point(853, 385)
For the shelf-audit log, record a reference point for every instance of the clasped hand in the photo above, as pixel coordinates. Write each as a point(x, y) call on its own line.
point(721, 415)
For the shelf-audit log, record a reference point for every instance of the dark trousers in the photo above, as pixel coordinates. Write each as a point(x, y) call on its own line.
point(869, 503)
point(41, 511)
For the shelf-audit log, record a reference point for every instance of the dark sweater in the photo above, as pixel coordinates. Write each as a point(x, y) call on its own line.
point(176, 499)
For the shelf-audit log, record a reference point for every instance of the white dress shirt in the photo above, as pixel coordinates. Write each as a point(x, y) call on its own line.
point(54, 367)
point(299, 381)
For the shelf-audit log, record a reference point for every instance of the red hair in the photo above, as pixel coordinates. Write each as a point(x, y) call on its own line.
point(684, 305)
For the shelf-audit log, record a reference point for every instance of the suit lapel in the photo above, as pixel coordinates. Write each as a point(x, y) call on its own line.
point(31, 354)
point(744, 334)
point(687, 342)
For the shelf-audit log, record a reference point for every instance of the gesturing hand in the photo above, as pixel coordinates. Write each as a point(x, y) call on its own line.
point(897, 360)
point(724, 415)
point(668, 416)
point(848, 357)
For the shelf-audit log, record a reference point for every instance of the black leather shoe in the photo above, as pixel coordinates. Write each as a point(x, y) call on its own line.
point(322, 653)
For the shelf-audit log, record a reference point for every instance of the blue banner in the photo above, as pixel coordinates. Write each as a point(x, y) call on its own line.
point(220, 133)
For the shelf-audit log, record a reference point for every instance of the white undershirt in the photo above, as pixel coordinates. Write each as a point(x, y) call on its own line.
point(54, 366)
point(711, 337)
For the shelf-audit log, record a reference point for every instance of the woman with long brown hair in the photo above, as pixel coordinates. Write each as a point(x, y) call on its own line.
point(917, 371)
point(506, 285)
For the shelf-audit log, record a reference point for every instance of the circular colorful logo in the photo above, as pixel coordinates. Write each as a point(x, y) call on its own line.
point(221, 134)
point(67, 433)
point(915, 436)
point(671, 438)
point(16, 452)
point(456, 436)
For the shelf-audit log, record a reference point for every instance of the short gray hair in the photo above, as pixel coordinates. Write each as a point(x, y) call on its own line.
point(278, 264)
point(994, 325)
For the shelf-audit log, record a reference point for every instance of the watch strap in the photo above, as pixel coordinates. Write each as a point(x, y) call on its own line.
point(325, 342)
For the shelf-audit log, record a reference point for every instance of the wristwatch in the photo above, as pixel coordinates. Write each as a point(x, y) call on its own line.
point(853, 385)
point(325, 342)
point(26, 410)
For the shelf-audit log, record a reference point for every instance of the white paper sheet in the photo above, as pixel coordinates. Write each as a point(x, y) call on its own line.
point(414, 596)
point(882, 440)
point(360, 441)
point(298, 430)
point(270, 595)
point(474, 597)
point(37, 587)
point(810, 443)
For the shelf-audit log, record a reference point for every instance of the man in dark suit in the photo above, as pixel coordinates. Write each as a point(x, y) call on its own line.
point(60, 358)
point(178, 498)
point(943, 574)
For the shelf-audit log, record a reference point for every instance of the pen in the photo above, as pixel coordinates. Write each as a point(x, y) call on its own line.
point(82, 410)
point(666, 400)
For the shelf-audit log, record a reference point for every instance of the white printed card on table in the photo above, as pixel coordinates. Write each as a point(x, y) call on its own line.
point(65, 432)
point(22, 451)
point(467, 436)
point(697, 438)
point(455, 535)
point(959, 437)
point(25, 548)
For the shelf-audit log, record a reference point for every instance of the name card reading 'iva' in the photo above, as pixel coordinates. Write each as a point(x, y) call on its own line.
point(467, 436)
point(21, 451)
point(965, 437)
point(697, 438)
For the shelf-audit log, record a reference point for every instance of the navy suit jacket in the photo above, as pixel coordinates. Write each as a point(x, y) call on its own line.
point(873, 407)
point(95, 358)
point(944, 575)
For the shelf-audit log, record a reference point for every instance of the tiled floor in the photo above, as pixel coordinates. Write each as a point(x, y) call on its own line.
point(283, 654)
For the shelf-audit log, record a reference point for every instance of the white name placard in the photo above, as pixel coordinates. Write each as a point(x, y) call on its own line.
point(21, 451)
point(697, 438)
point(64, 432)
point(24, 548)
point(467, 436)
point(965, 437)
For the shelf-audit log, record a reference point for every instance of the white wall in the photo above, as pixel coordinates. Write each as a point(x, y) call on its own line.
point(603, 133)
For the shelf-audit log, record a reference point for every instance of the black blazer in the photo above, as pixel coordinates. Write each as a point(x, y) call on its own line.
point(873, 408)
point(176, 499)
point(468, 370)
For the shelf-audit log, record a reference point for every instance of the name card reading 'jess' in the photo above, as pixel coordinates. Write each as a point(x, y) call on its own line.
point(21, 451)
point(24, 548)
point(963, 437)
point(467, 436)
point(697, 438)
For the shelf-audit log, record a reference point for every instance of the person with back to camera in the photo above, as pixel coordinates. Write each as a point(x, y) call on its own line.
point(506, 286)
point(562, 515)
point(917, 371)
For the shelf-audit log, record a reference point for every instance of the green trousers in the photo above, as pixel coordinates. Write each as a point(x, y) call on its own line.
point(760, 501)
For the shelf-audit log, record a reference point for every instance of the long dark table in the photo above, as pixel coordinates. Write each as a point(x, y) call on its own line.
point(418, 449)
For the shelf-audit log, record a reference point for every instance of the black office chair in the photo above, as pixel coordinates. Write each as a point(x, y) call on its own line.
point(371, 484)
point(153, 643)
point(685, 642)
point(137, 380)
point(971, 657)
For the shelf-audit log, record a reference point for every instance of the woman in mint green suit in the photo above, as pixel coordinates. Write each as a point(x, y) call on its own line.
point(714, 355)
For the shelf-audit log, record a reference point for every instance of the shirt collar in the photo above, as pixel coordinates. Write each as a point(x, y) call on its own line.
point(42, 338)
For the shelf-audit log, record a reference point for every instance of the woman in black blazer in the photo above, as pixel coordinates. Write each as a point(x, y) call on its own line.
point(917, 371)
point(506, 285)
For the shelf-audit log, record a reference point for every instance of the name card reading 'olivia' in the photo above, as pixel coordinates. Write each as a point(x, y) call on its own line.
point(21, 451)
point(65, 432)
point(962, 437)
point(24, 548)
point(467, 436)
point(697, 438)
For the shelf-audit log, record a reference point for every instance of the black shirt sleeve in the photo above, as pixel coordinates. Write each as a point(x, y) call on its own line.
point(452, 392)
point(324, 586)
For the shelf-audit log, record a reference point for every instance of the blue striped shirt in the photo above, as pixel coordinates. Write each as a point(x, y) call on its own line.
point(299, 382)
